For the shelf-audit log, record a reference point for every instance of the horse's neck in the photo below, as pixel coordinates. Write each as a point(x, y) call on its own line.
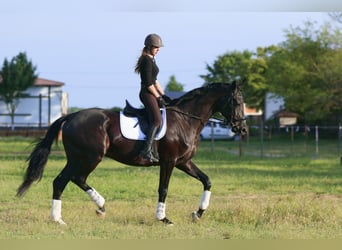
point(200, 109)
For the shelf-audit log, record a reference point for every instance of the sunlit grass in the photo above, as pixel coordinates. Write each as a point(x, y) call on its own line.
point(252, 198)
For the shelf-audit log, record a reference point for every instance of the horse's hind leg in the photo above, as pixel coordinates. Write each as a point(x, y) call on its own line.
point(72, 171)
point(93, 194)
point(59, 185)
point(79, 177)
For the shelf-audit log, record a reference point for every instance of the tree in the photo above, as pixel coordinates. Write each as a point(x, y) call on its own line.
point(336, 16)
point(307, 72)
point(16, 76)
point(228, 67)
point(173, 85)
point(242, 65)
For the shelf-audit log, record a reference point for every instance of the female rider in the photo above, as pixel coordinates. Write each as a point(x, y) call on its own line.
point(151, 93)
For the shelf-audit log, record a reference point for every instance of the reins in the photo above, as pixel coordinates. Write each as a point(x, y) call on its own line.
point(186, 114)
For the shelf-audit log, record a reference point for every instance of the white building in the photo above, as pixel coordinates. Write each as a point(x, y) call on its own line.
point(273, 104)
point(46, 103)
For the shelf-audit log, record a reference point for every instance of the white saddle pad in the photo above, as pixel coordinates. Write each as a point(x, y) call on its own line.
point(130, 128)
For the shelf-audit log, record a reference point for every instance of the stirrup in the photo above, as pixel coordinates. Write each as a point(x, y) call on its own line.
point(149, 156)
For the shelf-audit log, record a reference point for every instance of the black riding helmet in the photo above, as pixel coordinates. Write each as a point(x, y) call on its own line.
point(153, 40)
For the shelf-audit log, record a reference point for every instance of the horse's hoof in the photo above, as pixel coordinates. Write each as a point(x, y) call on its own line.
point(167, 222)
point(195, 217)
point(101, 213)
point(59, 221)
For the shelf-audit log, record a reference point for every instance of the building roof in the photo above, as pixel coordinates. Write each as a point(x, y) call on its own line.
point(41, 82)
point(285, 113)
point(252, 111)
point(174, 94)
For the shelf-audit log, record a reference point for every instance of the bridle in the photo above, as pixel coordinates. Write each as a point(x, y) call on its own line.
point(232, 116)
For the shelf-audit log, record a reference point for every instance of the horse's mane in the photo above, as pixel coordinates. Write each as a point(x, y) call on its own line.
point(199, 92)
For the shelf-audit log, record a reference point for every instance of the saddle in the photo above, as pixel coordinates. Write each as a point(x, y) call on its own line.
point(134, 123)
point(140, 114)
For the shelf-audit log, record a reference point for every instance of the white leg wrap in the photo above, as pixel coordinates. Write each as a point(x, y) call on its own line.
point(56, 211)
point(204, 203)
point(160, 213)
point(96, 197)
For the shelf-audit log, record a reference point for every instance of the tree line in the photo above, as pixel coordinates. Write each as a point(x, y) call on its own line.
point(305, 69)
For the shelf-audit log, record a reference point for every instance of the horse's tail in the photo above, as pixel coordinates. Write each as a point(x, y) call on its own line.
point(39, 156)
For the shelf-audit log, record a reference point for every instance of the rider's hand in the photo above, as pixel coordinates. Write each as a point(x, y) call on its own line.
point(167, 99)
point(161, 102)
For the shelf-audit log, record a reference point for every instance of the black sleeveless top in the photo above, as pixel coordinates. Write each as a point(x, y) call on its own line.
point(148, 71)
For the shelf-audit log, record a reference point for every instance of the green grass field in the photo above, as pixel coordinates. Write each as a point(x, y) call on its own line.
point(285, 197)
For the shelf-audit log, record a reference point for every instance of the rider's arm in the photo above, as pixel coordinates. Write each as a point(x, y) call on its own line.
point(159, 88)
point(153, 89)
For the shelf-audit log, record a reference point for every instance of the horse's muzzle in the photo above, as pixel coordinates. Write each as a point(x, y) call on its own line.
point(239, 127)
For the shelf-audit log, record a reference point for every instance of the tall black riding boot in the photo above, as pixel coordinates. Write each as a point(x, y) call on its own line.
point(147, 150)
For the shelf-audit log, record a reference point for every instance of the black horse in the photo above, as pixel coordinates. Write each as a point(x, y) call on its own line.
point(91, 134)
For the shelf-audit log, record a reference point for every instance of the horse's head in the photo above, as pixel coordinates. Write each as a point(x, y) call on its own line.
point(215, 97)
point(232, 108)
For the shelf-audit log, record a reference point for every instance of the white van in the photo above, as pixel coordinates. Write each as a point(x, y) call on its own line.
point(217, 130)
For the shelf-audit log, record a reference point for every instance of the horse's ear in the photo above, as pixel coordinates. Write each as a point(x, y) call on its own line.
point(234, 84)
point(240, 83)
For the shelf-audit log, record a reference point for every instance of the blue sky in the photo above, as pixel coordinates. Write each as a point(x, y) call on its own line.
point(92, 46)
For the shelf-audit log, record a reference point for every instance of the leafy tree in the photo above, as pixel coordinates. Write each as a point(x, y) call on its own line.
point(116, 109)
point(307, 72)
point(16, 76)
point(228, 67)
point(242, 65)
point(173, 85)
point(305, 69)
point(74, 109)
point(336, 16)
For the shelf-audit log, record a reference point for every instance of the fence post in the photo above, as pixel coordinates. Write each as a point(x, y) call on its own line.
point(212, 137)
point(261, 136)
point(306, 131)
point(316, 138)
point(40, 110)
point(340, 140)
point(240, 145)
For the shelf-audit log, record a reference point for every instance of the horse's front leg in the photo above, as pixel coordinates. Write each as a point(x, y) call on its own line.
point(164, 179)
point(204, 204)
point(191, 169)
